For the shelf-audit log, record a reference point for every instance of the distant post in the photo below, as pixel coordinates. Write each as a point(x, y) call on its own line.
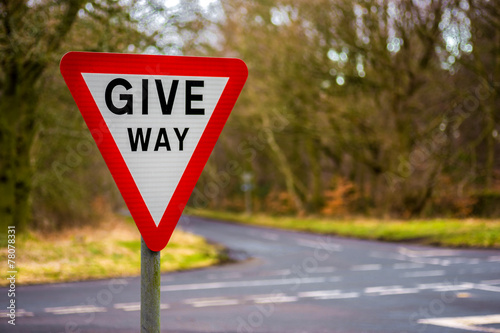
point(150, 289)
point(247, 188)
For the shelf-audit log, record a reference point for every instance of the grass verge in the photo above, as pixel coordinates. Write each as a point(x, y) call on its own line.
point(110, 250)
point(477, 233)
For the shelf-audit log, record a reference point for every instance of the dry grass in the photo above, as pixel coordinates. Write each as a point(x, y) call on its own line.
point(108, 251)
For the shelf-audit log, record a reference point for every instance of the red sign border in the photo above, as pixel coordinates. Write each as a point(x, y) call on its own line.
point(73, 64)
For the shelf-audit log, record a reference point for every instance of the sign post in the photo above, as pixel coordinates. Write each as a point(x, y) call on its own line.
point(150, 289)
point(155, 120)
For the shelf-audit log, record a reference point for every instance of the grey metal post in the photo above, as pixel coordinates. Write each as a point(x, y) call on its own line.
point(150, 290)
point(248, 202)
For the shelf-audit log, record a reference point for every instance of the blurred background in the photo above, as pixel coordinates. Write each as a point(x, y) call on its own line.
point(378, 108)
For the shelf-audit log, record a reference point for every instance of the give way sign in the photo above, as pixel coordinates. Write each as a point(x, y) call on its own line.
point(155, 120)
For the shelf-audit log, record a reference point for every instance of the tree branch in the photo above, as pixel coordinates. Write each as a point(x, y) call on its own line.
point(64, 26)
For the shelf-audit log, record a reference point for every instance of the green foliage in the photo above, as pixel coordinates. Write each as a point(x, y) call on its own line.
point(48, 162)
point(395, 97)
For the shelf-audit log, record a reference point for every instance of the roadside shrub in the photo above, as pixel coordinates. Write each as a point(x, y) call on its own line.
point(487, 204)
point(339, 200)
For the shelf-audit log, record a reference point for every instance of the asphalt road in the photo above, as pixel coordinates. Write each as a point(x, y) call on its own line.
point(286, 282)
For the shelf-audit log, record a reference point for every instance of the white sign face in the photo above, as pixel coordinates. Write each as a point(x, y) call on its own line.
point(156, 122)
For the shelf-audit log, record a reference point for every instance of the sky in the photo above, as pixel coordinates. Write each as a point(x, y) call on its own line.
point(203, 3)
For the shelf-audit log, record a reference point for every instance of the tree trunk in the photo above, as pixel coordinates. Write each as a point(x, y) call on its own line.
point(17, 133)
point(490, 148)
point(283, 165)
point(316, 195)
point(7, 174)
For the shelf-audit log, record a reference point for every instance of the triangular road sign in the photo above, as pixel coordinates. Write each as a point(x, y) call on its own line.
point(155, 120)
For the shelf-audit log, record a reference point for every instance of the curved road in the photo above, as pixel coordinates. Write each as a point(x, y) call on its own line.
point(286, 282)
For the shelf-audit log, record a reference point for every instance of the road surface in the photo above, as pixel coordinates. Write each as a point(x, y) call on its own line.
point(285, 282)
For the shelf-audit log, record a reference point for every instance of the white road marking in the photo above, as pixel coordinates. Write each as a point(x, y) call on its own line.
point(238, 284)
point(319, 245)
point(387, 255)
point(19, 313)
point(423, 274)
point(427, 253)
point(494, 258)
point(369, 267)
point(328, 294)
point(429, 257)
point(400, 291)
point(380, 289)
point(430, 261)
point(446, 286)
point(339, 296)
point(214, 301)
point(271, 298)
point(128, 306)
point(318, 293)
point(390, 290)
point(136, 306)
point(275, 299)
point(409, 265)
point(75, 309)
point(432, 285)
point(446, 262)
point(253, 297)
point(471, 323)
point(486, 287)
